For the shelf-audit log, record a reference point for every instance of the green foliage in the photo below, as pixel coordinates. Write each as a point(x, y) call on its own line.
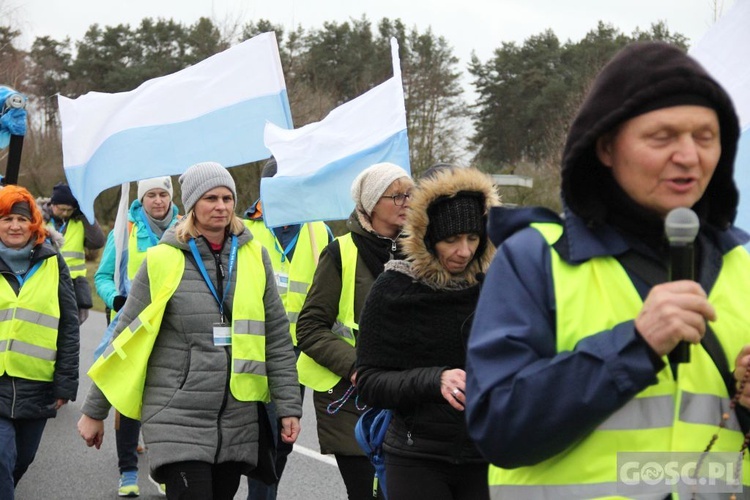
point(118, 58)
point(527, 93)
point(527, 96)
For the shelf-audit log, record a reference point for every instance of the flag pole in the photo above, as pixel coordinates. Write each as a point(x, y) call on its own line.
point(14, 104)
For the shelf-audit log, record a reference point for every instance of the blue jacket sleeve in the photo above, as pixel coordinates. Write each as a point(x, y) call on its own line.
point(104, 279)
point(525, 401)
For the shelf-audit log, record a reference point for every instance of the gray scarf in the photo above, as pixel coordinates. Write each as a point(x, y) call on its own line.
point(159, 226)
point(17, 259)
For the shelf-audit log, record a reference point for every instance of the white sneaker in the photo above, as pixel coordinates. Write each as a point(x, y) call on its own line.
point(161, 488)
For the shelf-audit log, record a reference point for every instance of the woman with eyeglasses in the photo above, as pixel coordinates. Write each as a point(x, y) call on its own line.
point(327, 325)
point(414, 327)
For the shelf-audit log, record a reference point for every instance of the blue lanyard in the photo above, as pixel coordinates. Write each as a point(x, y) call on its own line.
point(23, 279)
point(207, 279)
point(144, 221)
point(289, 247)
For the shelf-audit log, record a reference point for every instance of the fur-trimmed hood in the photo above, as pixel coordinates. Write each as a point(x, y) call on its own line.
point(424, 264)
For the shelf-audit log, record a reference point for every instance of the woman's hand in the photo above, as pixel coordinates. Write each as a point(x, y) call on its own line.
point(91, 430)
point(289, 429)
point(452, 385)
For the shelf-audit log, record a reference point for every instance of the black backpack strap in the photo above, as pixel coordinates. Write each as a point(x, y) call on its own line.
point(710, 343)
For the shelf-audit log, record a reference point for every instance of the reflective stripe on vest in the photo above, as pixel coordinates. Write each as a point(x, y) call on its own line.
point(299, 271)
point(670, 415)
point(73, 250)
point(311, 374)
point(28, 336)
point(130, 350)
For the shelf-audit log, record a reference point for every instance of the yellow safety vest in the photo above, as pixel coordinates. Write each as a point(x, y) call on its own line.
point(311, 374)
point(671, 415)
point(293, 279)
point(73, 250)
point(120, 373)
point(135, 256)
point(28, 324)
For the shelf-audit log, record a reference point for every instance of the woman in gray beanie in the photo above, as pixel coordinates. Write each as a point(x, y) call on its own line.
point(327, 324)
point(218, 344)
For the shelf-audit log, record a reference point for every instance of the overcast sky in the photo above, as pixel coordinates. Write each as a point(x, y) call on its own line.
point(468, 25)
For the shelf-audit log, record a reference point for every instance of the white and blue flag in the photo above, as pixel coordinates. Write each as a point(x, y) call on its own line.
point(317, 163)
point(724, 52)
point(215, 110)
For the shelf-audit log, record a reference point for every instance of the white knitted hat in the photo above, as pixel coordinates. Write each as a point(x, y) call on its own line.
point(372, 182)
point(147, 185)
point(201, 178)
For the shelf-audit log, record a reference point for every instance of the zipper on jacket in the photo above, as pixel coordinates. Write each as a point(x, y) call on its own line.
point(13, 399)
point(220, 276)
point(409, 440)
point(223, 404)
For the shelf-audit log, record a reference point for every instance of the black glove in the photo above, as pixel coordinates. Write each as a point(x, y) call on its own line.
point(118, 302)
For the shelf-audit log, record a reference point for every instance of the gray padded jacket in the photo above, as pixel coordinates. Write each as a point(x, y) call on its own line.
point(188, 411)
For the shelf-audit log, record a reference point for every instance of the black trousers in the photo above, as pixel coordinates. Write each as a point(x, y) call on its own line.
point(408, 478)
point(358, 475)
point(201, 481)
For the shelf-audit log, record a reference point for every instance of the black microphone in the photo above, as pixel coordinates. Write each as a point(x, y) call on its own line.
point(681, 227)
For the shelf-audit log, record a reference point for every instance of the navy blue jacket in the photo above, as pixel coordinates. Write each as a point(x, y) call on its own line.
point(526, 402)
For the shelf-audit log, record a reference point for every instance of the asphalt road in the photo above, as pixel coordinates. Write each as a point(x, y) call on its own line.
point(65, 469)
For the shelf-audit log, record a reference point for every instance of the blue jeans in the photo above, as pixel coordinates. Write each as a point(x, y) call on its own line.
point(19, 440)
point(126, 437)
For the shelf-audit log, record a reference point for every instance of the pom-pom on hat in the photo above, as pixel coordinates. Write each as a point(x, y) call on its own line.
point(201, 178)
point(147, 185)
point(372, 182)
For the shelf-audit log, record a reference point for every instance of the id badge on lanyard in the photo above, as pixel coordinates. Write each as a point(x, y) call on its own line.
point(222, 334)
point(222, 331)
point(282, 281)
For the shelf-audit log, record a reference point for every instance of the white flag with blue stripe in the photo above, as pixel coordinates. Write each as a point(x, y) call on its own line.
point(215, 110)
point(725, 52)
point(317, 163)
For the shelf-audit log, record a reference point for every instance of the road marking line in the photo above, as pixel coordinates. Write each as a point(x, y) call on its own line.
point(316, 455)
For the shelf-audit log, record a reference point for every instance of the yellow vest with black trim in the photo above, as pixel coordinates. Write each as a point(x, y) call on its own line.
point(671, 415)
point(299, 272)
point(29, 323)
point(311, 374)
point(120, 373)
point(73, 250)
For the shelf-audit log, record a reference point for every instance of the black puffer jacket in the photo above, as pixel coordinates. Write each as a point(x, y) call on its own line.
point(22, 398)
point(415, 325)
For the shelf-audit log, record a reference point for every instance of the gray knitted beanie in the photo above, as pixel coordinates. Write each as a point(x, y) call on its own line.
point(372, 182)
point(203, 177)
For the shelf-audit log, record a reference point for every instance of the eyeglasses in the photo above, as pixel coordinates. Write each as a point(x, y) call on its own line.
point(398, 199)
